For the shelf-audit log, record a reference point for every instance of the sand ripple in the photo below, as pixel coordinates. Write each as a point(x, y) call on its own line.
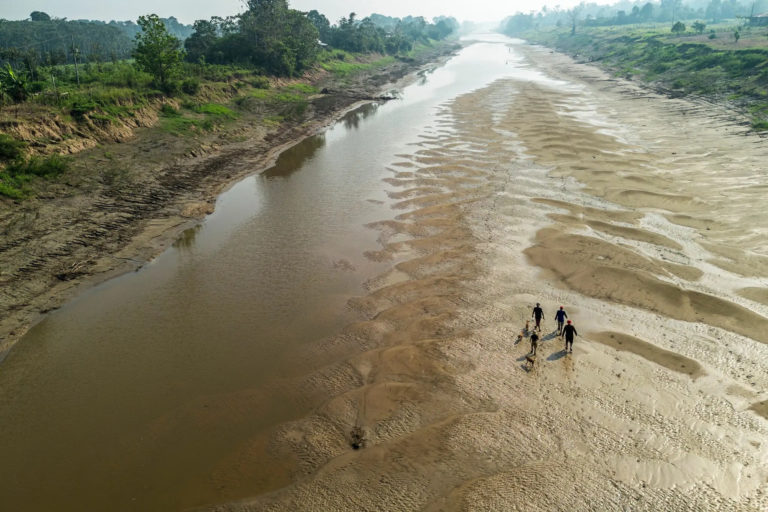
point(615, 223)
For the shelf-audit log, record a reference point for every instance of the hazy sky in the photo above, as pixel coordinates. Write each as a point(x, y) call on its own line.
point(187, 11)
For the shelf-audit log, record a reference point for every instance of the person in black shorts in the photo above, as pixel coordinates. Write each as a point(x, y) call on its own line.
point(569, 331)
point(537, 315)
point(534, 343)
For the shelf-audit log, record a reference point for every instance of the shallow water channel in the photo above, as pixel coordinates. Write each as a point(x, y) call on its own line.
point(144, 392)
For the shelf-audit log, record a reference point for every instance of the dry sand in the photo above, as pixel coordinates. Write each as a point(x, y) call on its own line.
point(644, 217)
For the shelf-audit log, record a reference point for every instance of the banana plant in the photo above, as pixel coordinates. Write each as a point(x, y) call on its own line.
point(13, 84)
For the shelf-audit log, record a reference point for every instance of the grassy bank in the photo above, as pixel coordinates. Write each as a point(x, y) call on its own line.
point(111, 101)
point(713, 64)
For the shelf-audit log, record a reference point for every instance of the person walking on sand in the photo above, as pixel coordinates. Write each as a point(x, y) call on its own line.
point(569, 331)
point(560, 317)
point(537, 315)
point(534, 343)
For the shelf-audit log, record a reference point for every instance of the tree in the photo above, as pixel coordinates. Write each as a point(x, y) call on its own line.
point(573, 15)
point(199, 44)
point(646, 12)
point(321, 23)
point(39, 16)
point(678, 28)
point(699, 26)
point(281, 40)
point(714, 10)
point(157, 52)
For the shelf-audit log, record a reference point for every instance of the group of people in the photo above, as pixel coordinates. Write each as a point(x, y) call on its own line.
point(564, 330)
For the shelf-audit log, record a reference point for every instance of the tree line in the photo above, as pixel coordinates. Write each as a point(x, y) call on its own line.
point(283, 41)
point(45, 41)
point(627, 12)
point(268, 36)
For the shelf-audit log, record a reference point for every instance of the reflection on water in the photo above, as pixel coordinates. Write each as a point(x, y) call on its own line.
point(293, 158)
point(352, 119)
point(156, 391)
point(187, 238)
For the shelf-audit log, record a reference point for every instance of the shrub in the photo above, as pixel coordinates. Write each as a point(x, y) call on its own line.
point(260, 82)
point(52, 165)
point(168, 110)
point(760, 126)
point(213, 109)
point(10, 148)
point(81, 107)
point(36, 87)
point(171, 87)
point(10, 187)
point(190, 86)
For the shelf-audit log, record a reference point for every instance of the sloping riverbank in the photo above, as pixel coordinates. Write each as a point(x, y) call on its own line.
point(716, 70)
point(122, 203)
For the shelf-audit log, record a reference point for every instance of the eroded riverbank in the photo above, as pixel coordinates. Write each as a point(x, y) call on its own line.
point(122, 204)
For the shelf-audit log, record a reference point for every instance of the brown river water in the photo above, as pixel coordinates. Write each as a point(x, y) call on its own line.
point(137, 395)
point(378, 277)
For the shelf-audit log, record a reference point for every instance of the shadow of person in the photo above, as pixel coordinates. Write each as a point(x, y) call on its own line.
point(550, 336)
point(557, 355)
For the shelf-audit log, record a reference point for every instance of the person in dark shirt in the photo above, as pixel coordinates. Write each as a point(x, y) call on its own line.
point(537, 315)
point(560, 317)
point(534, 343)
point(569, 331)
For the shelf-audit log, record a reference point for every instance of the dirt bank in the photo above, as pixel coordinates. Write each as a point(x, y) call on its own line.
point(520, 195)
point(122, 203)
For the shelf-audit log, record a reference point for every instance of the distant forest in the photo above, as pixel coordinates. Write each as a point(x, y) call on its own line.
point(627, 12)
point(43, 40)
point(268, 35)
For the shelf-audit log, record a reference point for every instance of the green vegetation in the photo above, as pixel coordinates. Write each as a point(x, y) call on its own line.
point(193, 117)
point(289, 102)
point(281, 41)
point(592, 14)
point(342, 63)
point(10, 148)
point(56, 73)
point(157, 52)
point(19, 171)
point(16, 175)
point(215, 110)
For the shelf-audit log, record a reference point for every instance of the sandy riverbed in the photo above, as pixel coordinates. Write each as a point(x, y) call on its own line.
point(644, 217)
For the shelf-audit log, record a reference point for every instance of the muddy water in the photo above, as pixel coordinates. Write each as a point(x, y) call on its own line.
point(156, 391)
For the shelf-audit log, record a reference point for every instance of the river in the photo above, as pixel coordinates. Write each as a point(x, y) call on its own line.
point(133, 395)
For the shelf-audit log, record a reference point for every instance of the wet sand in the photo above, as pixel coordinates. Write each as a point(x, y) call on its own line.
point(642, 216)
